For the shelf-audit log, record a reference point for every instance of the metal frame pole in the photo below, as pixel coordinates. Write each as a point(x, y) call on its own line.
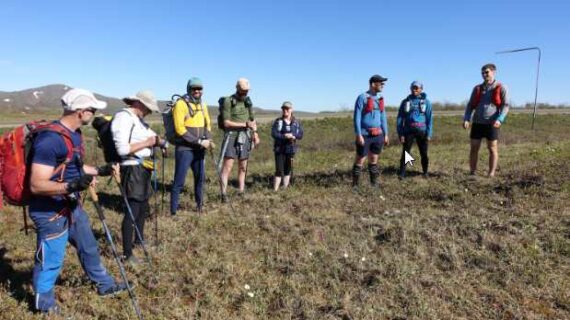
point(537, 74)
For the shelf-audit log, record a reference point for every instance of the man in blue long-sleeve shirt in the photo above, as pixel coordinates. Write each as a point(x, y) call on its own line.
point(489, 105)
point(415, 123)
point(370, 129)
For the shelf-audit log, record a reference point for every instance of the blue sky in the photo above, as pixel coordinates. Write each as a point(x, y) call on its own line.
point(318, 54)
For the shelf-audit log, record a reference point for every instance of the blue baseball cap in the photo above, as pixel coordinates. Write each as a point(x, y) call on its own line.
point(417, 84)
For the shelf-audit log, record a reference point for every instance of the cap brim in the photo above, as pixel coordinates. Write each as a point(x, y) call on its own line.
point(100, 105)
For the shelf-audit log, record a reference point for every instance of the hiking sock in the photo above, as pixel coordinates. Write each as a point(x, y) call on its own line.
point(356, 170)
point(374, 173)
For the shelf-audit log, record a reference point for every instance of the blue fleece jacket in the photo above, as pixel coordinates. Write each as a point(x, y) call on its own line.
point(364, 121)
point(278, 131)
point(411, 118)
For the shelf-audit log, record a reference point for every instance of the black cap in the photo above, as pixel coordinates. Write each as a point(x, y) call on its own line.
point(377, 78)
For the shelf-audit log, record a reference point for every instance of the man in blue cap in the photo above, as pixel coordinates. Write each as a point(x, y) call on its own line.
point(415, 123)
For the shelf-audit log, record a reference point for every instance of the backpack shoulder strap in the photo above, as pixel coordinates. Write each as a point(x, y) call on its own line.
point(68, 141)
point(497, 95)
point(63, 132)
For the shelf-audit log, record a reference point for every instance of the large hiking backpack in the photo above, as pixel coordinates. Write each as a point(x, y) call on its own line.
point(14, 163)
point(102, 124)
point(168, 119)
point(233, 102)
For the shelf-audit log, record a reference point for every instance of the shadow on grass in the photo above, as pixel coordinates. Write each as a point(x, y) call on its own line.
point(15, 281)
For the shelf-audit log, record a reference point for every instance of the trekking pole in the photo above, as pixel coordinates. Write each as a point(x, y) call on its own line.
point(99, 209)
point(251, 147)
point(223, 149)
point(292, 166)
point(219, 174)
point(155, 188)
point(137, 231)
point(163, 182)
point(25, 214)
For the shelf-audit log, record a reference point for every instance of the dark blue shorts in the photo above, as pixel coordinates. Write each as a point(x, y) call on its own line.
point(372, 144)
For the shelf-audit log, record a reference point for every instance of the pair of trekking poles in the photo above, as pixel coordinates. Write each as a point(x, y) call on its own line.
point(95, 199)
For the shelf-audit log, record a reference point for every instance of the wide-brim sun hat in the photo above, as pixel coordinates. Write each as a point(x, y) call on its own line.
point(146, 97)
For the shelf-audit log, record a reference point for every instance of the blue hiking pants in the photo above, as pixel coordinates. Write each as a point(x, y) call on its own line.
point(53, 231)
point(188, 158)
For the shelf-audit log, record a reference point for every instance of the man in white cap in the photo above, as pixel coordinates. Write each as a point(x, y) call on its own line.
point(57, 177)
point(238, 121)
point(135, 142)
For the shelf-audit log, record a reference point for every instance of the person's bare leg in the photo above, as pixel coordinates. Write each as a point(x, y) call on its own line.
point(286, 180)
point(474, 154)
point(226, 169)
point(276, 183)
point(493, 147)
point(242, 166)
point(372, 158)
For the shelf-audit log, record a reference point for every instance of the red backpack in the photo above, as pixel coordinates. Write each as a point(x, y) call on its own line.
point(495, 99)
point(15, 146)
point(370, 104)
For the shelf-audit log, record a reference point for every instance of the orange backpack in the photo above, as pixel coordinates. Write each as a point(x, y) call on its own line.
point(15, 146)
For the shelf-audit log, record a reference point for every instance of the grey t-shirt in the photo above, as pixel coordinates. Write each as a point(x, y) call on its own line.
point(486, 112)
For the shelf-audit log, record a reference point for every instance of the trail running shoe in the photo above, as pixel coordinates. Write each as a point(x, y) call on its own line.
point(114, 289)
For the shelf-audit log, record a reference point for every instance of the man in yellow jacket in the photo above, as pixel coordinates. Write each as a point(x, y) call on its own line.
point(193, 137)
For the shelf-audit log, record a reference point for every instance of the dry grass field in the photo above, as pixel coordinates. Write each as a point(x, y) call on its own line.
point(451, 246)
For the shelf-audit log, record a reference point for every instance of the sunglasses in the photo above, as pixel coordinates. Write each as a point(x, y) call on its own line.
point(197, 89)
point(92, 110)
point(486, 72)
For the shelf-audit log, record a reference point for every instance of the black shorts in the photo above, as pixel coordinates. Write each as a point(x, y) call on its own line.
point(283, 164)
point(487, 131)
point(372, 144)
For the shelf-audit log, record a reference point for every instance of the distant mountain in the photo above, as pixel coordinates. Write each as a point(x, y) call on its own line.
point(48, 98)
point(43, 99)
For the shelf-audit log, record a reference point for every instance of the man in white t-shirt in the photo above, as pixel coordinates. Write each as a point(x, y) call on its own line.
point(135, 142)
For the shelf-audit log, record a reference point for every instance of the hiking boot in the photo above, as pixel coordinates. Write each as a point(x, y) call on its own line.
point(224, 198)
point(374, 173)
point(132, 260)
point(114, 289)
point(199, 209)
point(355, 176)
point(55, 310)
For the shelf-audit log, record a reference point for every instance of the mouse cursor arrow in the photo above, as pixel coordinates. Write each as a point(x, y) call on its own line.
point(408, 158)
